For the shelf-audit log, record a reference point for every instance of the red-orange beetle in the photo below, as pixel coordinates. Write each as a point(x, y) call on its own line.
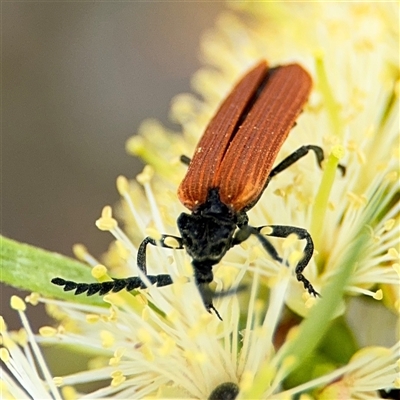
point(230, 169)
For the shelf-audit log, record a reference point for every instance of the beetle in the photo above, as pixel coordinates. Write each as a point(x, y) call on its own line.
point(230, 169)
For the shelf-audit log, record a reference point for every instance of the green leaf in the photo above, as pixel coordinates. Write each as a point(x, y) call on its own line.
point(30, 268)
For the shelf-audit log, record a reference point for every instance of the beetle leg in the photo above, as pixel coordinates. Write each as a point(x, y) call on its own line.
point(283, 231)
point(299, 153)
point(141, 254)
point(130, 283)
point(244, 233)
point(114, 286)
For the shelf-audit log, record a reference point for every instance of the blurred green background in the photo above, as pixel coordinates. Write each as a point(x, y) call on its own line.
point(78, 78)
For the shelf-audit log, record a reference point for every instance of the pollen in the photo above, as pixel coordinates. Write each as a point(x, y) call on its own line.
point(116, 373)
point(92, 318)
point(106, 222)
point(147, 353)
point(171, 242)
point(69, 393)
point(389, 224)
point(21, 337)
point(114, 361)
point(118, 380)
point(135, 145)
point(80, 251)
point(122, 185)
point(357, 201)
point(33, 298)
point(393, 253)
point(4, 355)
point(145, 176)
point(107, 339)
point(122, 251)
point(47, 331)
point(153, 233)
point(119, 352)
point(17, 303)
point(3, 325)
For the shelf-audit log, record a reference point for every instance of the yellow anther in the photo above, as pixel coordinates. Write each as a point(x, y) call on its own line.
point(106, 222)
point(122, 251)
point(106, 212)
point(47, 331)
point(396, 267)
point(92, 318)
point(389, 224)
point(357, 200)
point(153, 233)
point(4, 355)
point(22, 337)
point(118, 380)
point(122, 185)
point(378, 295)
point(171, 242)
point(393, 253)
point(135, 145)
point(397, 383)
point(114, 361)
point(17, 303)
point(80, 251)
point(145, 176)
point(3, 325)
point(116, 373)
point(107, 339)
point(33, 298)
point(69, 393)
